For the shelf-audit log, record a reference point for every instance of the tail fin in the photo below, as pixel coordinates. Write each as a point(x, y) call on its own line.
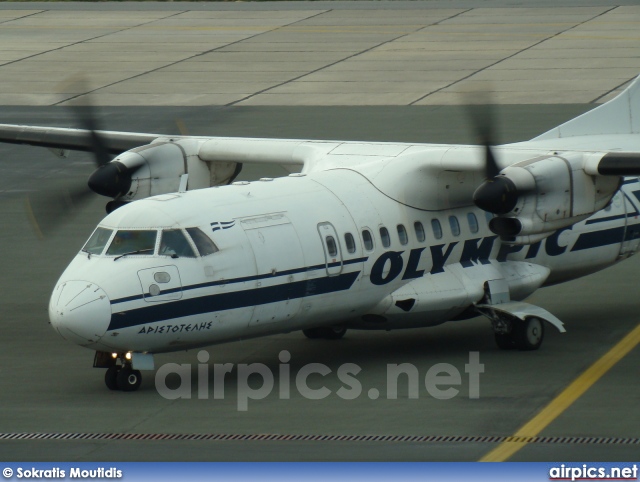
point(620, 115)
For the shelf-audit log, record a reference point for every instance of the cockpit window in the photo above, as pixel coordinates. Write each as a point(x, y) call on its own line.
point(133, 242)
point(202, 241)
point(174, 243)
point(97, 241)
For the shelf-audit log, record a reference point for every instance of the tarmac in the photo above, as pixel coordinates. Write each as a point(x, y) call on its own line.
point(392, 71)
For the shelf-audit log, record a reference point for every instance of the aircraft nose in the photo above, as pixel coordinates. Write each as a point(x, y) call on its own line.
point(80, 311)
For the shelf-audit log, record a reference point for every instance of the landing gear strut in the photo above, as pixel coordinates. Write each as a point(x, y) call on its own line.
point(334, 332)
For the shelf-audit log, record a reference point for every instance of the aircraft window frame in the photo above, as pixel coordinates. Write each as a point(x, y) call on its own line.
point(472, 220)
point(418, 227)
point(203, 243)
point(350, 243)
point(454, 224)
point(182, 247)
point(137, 247)
point(98, 250)
point(403, 236)
point(367, 239)
point(436, 228)
point(385, 237)
point(332, 246)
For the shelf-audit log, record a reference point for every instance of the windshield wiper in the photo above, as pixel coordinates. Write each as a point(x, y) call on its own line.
point(140, 251)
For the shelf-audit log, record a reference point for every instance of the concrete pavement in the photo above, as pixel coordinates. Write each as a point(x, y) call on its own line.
point(359, 53)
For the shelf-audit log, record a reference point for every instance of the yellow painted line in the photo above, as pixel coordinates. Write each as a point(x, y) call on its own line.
point(558, 405)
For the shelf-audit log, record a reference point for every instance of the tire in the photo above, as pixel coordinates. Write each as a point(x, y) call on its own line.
point(505, 341)
point(111, 377)
point(312, 333)
point(333, 332)
point(528, 335)
point(129, 380)
point(327, 332)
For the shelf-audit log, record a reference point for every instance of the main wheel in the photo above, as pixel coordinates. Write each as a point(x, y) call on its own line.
point(528, 334)
point(129, 380)
point(111, 377)
point(312, 333)
point(333, 332)
point(505, 341)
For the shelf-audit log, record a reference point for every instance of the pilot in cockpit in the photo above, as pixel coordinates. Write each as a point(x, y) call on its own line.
point(175, 244)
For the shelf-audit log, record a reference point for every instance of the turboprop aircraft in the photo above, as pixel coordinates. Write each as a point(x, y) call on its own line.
point(360, 235)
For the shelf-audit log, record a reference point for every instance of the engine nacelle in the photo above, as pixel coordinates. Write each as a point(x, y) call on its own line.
point(534, 198)
point(157, 168)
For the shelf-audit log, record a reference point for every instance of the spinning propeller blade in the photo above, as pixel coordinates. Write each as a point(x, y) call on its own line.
point(49, 210)
point(497, 194)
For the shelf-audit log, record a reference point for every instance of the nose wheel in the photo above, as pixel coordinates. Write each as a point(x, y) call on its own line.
point(111, 377)
point(120, 374)
point(128, 380)
point(122, 378)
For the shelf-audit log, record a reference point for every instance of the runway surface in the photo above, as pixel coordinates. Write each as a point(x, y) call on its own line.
point(48, 385)
point(316, 53)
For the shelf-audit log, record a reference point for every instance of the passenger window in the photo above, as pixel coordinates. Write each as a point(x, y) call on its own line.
point(437, 229)
point(331, 246)
point(455, 225)
point(98, 241)
point(350, 242)
point(473, 222)
point(402, 235)
point(367, 239)
point(174, 243)
point(133, 242)
point(384, 236)
point(419, 229)
point(202, 241)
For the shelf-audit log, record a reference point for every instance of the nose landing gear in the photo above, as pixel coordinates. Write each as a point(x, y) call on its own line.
point(120, 373)
point(122, 378)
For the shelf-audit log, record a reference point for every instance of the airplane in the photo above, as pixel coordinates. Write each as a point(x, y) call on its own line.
point(359, 235)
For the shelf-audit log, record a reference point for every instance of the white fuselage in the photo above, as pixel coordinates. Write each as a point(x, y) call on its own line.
point(293, 253)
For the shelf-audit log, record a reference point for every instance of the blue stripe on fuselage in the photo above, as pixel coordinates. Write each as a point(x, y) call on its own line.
point(230, 301)
point(245, 279)
point(606, 237)
point(596, 239)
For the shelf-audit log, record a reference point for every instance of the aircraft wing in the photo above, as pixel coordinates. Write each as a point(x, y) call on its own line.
point(72, 139)
point(285, 152)
point(289, 153)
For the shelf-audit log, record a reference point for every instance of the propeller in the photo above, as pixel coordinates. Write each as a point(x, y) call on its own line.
point(51, 209)
point(497, 194)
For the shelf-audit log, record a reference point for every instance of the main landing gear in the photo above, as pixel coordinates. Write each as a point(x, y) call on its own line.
point(516, 324)
point(334, 332)
point(518, 334)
